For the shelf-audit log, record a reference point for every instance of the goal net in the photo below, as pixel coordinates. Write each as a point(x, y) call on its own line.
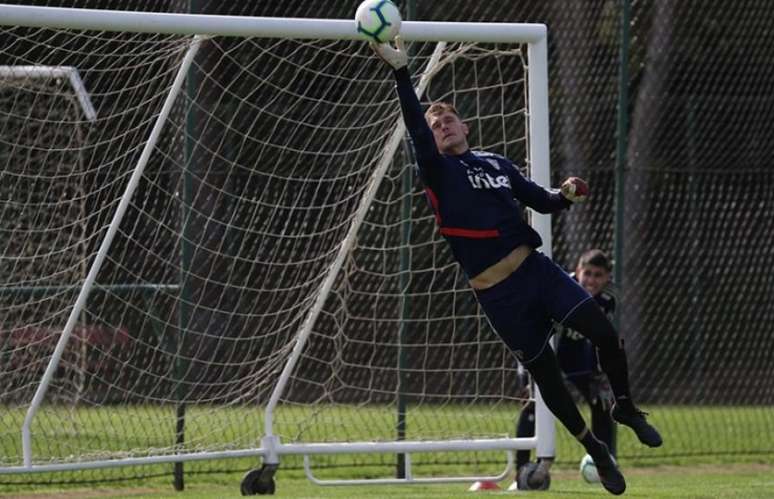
point(232, 243)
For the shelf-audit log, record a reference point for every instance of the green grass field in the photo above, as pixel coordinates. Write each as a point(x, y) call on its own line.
point(708, 452)
point(700, 481)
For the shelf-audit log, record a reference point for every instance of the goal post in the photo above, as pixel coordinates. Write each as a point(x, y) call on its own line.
point(295, 268)
point(48, 72)
point(96, 265)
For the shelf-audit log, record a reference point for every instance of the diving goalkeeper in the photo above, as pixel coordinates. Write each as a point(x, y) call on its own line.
point(478, 200)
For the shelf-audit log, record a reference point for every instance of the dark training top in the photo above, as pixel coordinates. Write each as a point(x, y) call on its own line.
point(477, 196)
point(577, 356)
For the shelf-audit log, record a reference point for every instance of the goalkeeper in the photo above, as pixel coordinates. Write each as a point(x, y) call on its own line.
point(477, 198)
point(579, 361)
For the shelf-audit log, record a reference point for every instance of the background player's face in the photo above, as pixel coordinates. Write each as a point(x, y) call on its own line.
point(592, 278)
point(451, 134)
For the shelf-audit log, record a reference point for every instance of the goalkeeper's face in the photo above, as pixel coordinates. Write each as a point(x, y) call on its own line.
point(450, 133)
point(592, 278)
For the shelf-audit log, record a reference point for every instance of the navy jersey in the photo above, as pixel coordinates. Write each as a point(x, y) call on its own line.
point(477, 197)
point(577, 356)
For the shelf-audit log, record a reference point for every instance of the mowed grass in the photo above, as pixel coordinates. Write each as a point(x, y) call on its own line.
point(699, 481)
point(708, 452)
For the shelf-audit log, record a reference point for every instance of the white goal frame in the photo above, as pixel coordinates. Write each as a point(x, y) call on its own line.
point(69, 73)
point(201, 26)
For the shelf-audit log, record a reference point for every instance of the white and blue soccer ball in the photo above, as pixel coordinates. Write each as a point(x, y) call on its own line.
point(588, 470)
point(378, 20)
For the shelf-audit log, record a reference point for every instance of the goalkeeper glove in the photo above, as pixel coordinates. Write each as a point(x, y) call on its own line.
point(575, 189)
point(601, 393)
point(395, 57)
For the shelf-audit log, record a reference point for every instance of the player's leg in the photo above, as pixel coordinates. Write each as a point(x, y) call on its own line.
point(544, 369)
point(517, 315)
point(601, 422)
point(571, 305)
point(589, 320)
point(515, 312)
point(603, 426)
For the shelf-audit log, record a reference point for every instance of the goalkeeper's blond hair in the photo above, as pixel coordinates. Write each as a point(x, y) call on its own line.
point(438, 108)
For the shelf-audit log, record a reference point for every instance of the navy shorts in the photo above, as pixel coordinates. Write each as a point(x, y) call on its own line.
point(523, 307)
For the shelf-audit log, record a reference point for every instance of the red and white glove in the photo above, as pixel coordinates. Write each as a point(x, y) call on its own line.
point(396, 57)
point(575, 189)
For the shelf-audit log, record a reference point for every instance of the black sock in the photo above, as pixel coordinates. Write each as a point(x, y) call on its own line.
point(595, 448)
point(589, 320)
point(546, 373)
point(615, 365)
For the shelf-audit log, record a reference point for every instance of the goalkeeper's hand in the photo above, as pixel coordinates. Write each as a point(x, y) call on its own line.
point(575, 189)
point(395, 57)
point(600, 391)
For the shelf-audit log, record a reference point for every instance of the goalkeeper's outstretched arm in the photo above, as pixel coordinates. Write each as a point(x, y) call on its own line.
point(421, 135)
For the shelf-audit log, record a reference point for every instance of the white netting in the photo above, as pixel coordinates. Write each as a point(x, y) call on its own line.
point(242, 208)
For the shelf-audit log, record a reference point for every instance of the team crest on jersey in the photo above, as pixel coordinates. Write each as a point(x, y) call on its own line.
point(494, 163)
point(493, 159)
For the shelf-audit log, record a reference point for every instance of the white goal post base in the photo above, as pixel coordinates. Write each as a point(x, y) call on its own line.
point(509, 445)
point(202, 26)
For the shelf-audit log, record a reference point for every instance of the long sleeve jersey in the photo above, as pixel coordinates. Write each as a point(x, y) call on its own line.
point(477, 196)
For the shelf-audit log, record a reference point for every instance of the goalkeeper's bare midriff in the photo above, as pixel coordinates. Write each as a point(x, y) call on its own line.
point(502, 269)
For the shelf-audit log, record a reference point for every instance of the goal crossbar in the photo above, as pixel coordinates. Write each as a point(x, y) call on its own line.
point(271, 27)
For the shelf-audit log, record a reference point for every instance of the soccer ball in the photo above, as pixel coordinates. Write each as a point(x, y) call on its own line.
point(378, 20)
point(588, 470)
